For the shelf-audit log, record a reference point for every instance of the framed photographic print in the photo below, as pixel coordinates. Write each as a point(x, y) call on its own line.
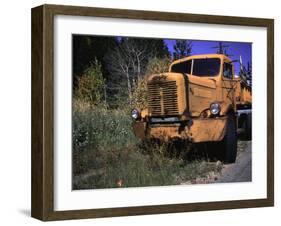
point(141, 112)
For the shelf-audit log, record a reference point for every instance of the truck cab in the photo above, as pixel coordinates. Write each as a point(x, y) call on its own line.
point(196, 100)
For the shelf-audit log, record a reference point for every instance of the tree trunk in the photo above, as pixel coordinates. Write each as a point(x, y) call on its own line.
point(129, 86)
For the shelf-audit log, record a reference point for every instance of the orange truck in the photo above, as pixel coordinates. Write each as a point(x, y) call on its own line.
point(198, 100)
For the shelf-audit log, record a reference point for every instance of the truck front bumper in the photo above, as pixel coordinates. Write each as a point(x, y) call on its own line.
point(194, 130)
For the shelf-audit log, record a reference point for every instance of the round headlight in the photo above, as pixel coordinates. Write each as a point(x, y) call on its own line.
point(135, 114)
point(215, 108)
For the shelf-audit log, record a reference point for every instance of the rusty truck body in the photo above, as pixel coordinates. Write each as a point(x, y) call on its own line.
point(198, 100)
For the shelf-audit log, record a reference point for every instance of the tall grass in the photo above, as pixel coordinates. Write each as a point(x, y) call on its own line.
point(106, 153)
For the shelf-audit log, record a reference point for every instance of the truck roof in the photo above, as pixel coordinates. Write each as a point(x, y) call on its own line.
point(200, 56)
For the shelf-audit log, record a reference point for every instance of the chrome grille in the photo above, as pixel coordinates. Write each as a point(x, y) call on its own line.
point(162, 98)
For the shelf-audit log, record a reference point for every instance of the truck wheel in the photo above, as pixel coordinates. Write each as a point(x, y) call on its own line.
point(228, 146)
point(248, 127)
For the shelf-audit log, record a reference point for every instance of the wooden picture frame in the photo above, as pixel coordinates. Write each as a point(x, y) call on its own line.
point(43, 107)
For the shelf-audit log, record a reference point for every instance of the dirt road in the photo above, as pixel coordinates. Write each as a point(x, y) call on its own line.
point(241, 171)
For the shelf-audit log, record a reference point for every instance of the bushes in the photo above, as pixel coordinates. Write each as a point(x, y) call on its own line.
point(103, 141)
point(157, 65)
point(106, 154)
point(99, 127)
point(91, 84)
point(139, 95)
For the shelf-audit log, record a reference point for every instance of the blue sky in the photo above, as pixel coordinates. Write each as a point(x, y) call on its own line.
point(234, 48)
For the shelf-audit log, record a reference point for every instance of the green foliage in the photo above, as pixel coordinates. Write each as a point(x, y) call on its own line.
point(127, 64)
point(158, 65)
point(99, 127)
point(91, 84)
point(86, 49)
point(106, 154)
point(139, 96)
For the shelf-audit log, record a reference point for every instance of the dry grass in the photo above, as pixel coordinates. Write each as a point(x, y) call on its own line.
point(106, 154)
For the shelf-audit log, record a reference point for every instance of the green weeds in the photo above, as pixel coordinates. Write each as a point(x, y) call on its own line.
point(106, 154)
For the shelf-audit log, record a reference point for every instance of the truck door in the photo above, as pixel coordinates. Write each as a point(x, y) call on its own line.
point(202, 84)
point(228, 84)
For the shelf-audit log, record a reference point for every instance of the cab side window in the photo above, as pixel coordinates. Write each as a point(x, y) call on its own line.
point(227, 70)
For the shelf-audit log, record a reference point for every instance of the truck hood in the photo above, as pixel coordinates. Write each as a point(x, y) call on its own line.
point(167, 76)
point(208, 82)
point(200, 81)
point(177, 94)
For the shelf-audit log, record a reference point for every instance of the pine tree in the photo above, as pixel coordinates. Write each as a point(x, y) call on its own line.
point(182, 48)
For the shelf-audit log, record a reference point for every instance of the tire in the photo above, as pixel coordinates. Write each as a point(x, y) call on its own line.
point(248, 127)
point(228, 145)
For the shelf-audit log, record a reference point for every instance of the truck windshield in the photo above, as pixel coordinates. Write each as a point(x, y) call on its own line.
point(198, 67)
